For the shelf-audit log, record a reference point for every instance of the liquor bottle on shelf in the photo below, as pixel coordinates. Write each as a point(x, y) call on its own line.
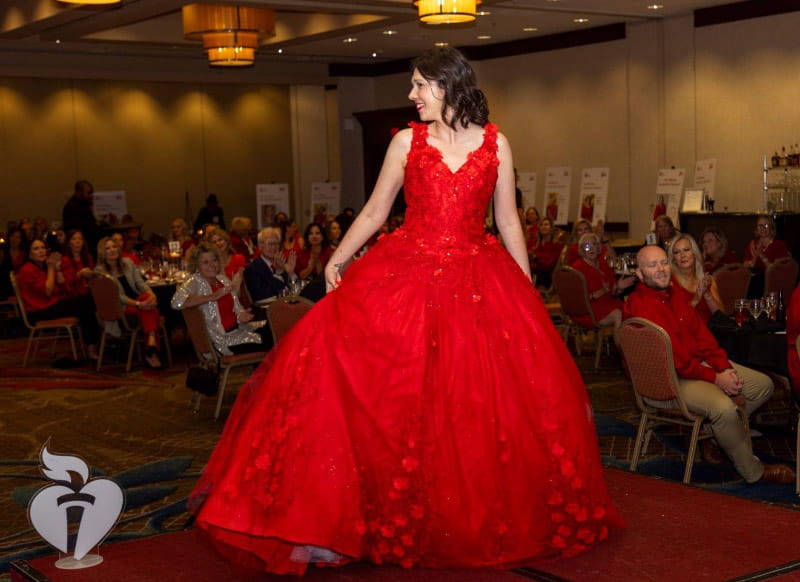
point(776, 160)
point(784, 161)
point(796, 155)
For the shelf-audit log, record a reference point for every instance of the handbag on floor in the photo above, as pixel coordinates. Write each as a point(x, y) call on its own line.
point(203, 380)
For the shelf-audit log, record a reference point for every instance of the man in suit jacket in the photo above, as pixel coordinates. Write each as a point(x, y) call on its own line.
point(268, 274)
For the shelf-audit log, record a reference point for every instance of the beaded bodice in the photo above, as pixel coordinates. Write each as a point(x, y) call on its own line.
point(448, 207)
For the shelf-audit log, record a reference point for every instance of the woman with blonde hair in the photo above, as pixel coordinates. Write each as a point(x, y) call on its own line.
point(241, 241)
point(700, 288)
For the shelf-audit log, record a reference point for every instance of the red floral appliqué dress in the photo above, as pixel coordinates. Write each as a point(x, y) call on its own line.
point(426, 413)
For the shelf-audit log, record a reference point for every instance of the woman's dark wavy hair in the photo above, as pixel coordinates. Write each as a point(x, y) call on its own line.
point(462, 98)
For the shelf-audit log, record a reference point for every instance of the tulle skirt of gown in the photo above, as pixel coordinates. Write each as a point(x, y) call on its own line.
point(426, 413)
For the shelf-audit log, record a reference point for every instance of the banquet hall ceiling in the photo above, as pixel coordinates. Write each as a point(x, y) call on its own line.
point(310, 30)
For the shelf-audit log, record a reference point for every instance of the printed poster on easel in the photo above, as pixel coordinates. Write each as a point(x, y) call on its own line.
point(556, 194)
point(325, 200)
point(669, 188)
point(110, 206)
point(594, 194)
point(270, 200)
point(527, 183)
point(705, 174)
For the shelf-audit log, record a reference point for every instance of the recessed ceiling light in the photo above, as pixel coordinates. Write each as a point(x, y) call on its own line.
point(580, 20)
point(655, 6)
point(441, 43)
point(389, 32)
point(350, 39)
point(484, 36)
point(530, 29)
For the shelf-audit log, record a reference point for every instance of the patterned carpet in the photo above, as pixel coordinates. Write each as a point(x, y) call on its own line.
point(140, 429)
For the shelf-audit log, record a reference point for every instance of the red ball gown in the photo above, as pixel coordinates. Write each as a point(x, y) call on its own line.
point(426, 413)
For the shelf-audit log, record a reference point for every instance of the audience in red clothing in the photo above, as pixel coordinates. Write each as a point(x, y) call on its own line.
point(715, 250)
point(601, 283)
point(241, 239)
point(44, 294)
point(665, 231)
point(792, 332)
point(77, 265)
point(335, 234)
point(700, 288)
point(315, 254)
point(179, 232)
point(531, 222)
point(134, 293)
point(232, 263)
point(580, 228)
point(544, 251)
point(17, 248)
point(292, 241)
point(765, 248)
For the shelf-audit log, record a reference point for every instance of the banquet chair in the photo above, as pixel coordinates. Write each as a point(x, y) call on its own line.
point(211, 358)
point(110, 311)
point(284, 312)
point(573, 294)
point(781, 275)
point(647, 350)
point(732, 281)
point(797, 444)
point(48, 329)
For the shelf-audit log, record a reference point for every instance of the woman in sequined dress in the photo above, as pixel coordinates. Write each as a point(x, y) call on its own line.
point(426, 412)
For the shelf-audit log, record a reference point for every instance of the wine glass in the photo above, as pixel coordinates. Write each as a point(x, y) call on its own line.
point(740, 309)
point(757, 308)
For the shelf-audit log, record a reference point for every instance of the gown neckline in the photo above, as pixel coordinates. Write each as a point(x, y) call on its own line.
point(470, 155)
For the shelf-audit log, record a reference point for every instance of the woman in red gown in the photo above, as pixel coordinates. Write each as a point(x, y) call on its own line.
point(413, 417)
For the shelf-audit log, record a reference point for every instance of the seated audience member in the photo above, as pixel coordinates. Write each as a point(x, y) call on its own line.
point(792, 331)
point(280, 219)
point(290, 236)
point(334, 234)
point(131, 245)
point(134, 294)
point(315, 254)
point(544, 251)
point(269, 274)
point(601, 283)
point(707, 379)
point(26, 225)
point(77, 265)
point(209, 289)
point(764, 248)
point(715, 250)
point(241, 241)
point(665, 231)
point(41, 285)
point(580, 228)
point(179, 232)
point(233, 263)
point(211, 213)
point(40, 227)
point(16, 248)
point(700, 289)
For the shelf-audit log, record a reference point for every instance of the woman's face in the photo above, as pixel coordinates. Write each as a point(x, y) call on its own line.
point(15, 239)
point(589, 249)
point(117, 239)
point(38, 251)
point(291, 229)
point(545, 227)
point(664, 230)
point(76, 243)
point(335, 230)
point(219, 242)
point(764, 228)
point(711, 244)
point(683, 255)
point(582, 229)
point(531, 216)
point(208, 265)
point(315, 236)
point(428, 97)
point(111, 251)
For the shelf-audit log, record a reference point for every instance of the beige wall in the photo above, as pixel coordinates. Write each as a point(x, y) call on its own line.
point(155, 140)
point(669, 94)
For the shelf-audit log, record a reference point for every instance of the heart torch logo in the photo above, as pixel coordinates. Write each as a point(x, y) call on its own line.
point(73, 498)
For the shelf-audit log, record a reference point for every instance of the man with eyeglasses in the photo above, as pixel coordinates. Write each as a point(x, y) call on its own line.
point(268, 274)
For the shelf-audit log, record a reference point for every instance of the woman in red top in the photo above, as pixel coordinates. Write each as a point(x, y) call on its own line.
point(241, 241)
point(544, 251)
point(765, 248)
point(315, 254)
point(601, 283)
point(701, 289)
point(233, 263)
point(292, 241)
point(16, 251)
point(715, 250)
point(44, 294)
point(77, 264)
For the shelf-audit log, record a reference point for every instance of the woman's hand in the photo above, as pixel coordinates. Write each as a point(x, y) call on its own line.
point(245, 315)
point(219, 293)
point(54, 261)
point(149, 302)
point(626, 282)
point(333, 276)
